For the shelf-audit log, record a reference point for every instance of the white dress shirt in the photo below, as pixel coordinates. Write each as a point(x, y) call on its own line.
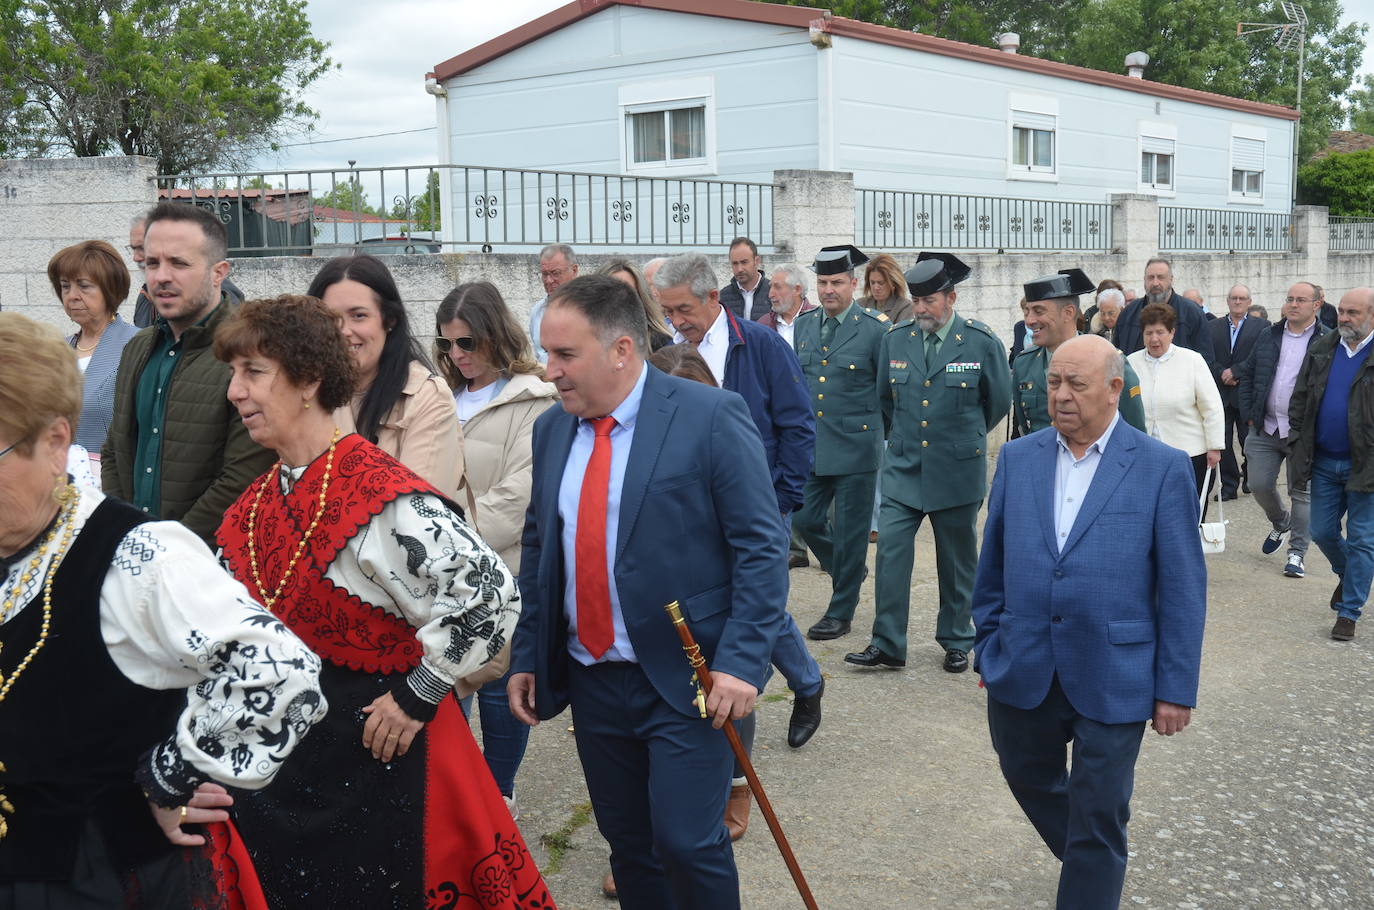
point(570, 493)
point(786, 329)
point(713, 347)
point(1072, 479)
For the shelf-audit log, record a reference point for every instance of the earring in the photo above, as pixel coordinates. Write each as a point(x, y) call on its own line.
point(62, 491)
point(307, 405)
point(620, 366)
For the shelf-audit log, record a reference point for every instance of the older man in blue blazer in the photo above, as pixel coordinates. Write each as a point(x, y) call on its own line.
point(646, 489)
point(1074, 651)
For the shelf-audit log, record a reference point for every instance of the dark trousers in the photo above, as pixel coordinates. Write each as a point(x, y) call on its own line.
point(840, 543)
point(956, 557)
point(1231, 472)
point(1081, 816)
point(658, 782)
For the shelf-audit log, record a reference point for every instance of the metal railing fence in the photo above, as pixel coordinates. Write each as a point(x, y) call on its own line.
point(1182, 228)
point(1351, 232)
point(402, 209)
point(900, 219)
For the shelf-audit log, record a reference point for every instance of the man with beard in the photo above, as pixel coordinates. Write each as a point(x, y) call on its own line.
point(1330, 415)
point(1191, 329)
point(176, 447)
point(944, 384)
point(747, 293)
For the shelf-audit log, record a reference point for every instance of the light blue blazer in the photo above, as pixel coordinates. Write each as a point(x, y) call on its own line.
point(98, 386)
point(1118, 612)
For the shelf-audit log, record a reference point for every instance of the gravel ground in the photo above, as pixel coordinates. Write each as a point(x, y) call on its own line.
point(898, 803)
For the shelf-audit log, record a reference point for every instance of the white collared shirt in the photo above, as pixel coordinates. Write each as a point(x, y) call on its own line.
point(1352, 351)
point(1072, 479)
point(713, 347)
point(788, 330)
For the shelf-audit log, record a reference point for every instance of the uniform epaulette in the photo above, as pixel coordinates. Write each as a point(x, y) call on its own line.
point(875, 314)
point(982, 327)
point(820, 310)
point(901, 325)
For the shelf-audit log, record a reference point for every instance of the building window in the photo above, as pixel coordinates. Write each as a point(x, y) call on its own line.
point(675, 135)
point(1032, 141)
point(1157, 162)
point(1247, 168)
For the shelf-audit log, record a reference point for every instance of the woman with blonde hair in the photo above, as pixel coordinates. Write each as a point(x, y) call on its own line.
point(885, 288)
point(628, 272)
point(499, 390)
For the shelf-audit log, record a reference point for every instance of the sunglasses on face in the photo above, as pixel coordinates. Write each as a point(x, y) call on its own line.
point(466, 343)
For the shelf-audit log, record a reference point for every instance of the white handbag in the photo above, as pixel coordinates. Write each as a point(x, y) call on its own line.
point(1213, 533)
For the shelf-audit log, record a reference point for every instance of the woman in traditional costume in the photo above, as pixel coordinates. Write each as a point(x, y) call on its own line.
point(380, 574)
point(134, 674)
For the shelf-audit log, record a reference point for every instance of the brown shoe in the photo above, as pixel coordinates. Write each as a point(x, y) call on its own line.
point(737, 811)
point(608, 886)
point(1343, 630)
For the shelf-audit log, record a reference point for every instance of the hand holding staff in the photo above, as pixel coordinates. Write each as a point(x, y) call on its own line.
point(722, 708)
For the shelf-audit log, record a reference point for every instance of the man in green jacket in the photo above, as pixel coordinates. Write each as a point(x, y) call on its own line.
point(837, 345)
point(944, 384)
point(176, 448)
point(1051, 319)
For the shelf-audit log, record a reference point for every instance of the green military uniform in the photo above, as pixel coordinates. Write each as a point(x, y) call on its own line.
point(1031, 396)
point(938, 411)
point(840, 362)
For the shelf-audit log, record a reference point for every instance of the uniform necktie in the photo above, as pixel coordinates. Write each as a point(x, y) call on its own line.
point(932, 347)
point(594, 628)
point(828, 329)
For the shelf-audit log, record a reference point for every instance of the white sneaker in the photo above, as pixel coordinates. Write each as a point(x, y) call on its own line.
point(515, 810)
point(1294, 567)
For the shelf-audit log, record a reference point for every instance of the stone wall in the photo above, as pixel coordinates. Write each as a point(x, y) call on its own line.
point(48, 204)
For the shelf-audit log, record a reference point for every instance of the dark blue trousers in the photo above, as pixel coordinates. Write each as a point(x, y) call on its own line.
point(658, 782)
point(1081, 815)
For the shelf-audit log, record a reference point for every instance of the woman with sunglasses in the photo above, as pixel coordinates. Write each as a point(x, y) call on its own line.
point(499, 388)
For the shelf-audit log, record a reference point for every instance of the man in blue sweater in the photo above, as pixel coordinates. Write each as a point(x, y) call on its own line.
point(1330, 414)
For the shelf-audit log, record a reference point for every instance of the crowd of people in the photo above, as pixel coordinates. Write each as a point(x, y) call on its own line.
point(241, 539)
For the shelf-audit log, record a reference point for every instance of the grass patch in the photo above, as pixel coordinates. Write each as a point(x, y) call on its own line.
point(776, 696)
point(559, 842)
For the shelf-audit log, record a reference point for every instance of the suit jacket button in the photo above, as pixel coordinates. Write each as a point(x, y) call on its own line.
point(923, 423)
point(820, 413)
point(924, 443)
point(925, 402)
point(865, 426)
point(1057, 619)
point(926, 383)
point(825, 363)
point(851, 366)
point(820, 397)
point(820, 379)
point(963, 385)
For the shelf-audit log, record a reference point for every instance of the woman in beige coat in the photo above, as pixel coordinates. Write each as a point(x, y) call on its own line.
point(499, 390)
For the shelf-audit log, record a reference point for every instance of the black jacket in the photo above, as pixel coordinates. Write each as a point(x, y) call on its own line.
point(732, 298)
point(1256, 373)
point(1190, 332)
point(1225, 357)
point(1308, 392)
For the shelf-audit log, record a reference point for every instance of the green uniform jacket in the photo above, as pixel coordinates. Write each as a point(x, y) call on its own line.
point(843, 381)
point(207, 458)
point(938, 415)
point(1032, 396)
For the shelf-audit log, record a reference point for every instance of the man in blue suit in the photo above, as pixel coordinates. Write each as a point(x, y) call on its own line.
point(660, 486)
point(1070, 650)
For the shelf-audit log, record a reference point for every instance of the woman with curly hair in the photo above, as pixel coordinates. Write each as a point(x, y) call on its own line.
point(885, 288)
point(379, 573)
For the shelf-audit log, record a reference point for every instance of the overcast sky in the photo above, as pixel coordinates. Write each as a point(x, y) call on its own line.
point(385, 50)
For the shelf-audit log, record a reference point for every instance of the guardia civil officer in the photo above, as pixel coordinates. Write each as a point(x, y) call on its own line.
point(837, 345)
point(944, 383)
point(1051, 319)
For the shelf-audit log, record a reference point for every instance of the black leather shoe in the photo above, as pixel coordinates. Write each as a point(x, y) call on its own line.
point(956, 661)
point(1228, 495)
point(800, 561)
point(827, 629)
point(806, 718)
point(872, 657)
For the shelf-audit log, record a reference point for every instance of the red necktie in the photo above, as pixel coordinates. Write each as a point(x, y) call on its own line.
point(594, 628)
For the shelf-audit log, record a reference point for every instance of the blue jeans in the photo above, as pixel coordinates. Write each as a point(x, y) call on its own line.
point(1351, 555)
point(503, 737)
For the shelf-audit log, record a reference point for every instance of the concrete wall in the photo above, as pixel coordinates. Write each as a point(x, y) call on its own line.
point(49, 204)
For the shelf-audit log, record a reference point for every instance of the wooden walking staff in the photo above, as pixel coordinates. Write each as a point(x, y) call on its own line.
point(703, 674)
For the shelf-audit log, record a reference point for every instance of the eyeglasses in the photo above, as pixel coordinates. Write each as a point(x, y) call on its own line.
point(8, 449)
point(466, 343)
point(1297, 300)
point(554, 274)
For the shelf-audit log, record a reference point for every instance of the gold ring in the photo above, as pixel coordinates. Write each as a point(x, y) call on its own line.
point(182, 819)
point(393, 736)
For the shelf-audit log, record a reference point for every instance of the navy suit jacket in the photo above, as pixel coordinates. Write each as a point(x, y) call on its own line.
point(1225, 357)
point(1118, 611)
point(764, 370)
point(699, 524)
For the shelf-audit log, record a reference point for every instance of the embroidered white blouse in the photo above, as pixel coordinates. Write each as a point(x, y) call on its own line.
point(172, 619)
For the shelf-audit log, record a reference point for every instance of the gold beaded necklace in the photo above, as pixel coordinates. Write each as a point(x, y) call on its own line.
point(66, 522)
point(270, 477)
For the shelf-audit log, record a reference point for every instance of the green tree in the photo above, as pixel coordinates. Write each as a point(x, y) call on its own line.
point(195, 84)
point(421, 211)
point(1362, 107)
point(1191, 43)
point(1342, 181)
point(349, 196)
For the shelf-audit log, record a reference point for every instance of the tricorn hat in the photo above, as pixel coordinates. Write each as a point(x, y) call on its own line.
point(935, 272)
point(832, 260)
point(1065, 283)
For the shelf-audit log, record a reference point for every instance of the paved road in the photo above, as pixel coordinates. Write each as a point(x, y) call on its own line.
point(897, 802)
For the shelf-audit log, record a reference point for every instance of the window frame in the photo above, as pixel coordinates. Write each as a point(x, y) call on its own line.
point(1028, 114)
point(665, 97)
point(1243, 196)
point(1150, 138)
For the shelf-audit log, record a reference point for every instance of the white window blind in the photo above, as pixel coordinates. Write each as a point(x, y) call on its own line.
point(1032, 120)
point(1247, 154)
point(1156, 145)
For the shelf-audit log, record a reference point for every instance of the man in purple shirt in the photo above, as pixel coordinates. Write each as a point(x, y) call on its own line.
point(1264, 386)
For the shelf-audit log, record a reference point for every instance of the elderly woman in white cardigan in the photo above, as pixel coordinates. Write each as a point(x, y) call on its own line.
point(1182, 405)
